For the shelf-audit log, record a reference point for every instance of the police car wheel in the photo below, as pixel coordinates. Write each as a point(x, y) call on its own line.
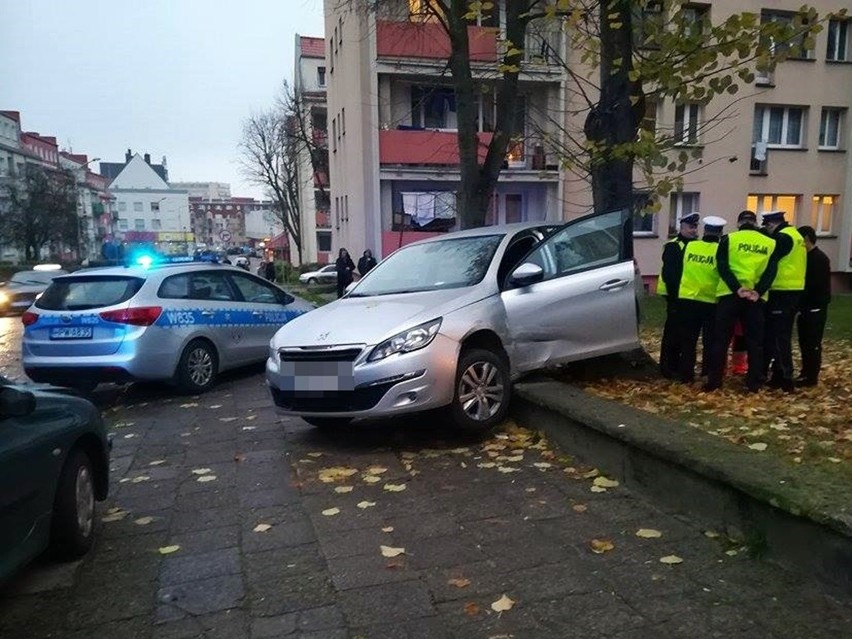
point(483, 390)
point(328, 423)
point(197, 367)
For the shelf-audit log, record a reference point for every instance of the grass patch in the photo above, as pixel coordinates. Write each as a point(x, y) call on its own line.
point(316, 295)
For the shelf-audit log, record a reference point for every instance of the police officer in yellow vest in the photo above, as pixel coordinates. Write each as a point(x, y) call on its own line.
point(668, 284)
point(784, 296)
point(697, 296)
point(747, 262)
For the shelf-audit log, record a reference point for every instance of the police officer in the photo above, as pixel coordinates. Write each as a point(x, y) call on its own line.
point(747, 263)
point(697, 296)
point(668, 284)
point(784, 296)
point(813, 309)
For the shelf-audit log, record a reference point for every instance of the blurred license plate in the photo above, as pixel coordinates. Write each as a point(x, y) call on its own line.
point(319, 376)
point(71, 332)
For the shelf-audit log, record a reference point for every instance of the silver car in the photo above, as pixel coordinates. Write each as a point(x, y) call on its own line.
point(18, 294)
point(180, 322)
point(325, 275)
point(452, 321)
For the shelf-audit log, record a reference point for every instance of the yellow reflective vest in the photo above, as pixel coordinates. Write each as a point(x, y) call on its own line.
point(792, 267)
point(749, 251)
point(661, 285)
point(700, 279)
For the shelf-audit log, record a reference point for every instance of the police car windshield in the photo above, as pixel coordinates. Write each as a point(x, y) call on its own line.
point(88, 292)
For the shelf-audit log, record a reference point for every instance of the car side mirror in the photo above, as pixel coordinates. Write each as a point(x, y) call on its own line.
point(16, 403)
point(285, 299)
point(526, 274)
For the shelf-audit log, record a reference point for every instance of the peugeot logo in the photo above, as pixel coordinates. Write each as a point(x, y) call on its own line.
point(322, 337)
point(66, 319)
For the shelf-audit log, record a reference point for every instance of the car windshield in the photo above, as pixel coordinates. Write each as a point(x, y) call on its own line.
point(450, 263)
point(34, 277)
point(84, 293)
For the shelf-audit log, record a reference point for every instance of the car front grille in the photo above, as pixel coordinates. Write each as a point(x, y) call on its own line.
point(360, 399)
point(319, 354)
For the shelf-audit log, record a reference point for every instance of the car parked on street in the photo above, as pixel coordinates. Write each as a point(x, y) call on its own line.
point(325, 275)
point(19, 293)
point(54, 465)
point(183, 323)
point(451, 321)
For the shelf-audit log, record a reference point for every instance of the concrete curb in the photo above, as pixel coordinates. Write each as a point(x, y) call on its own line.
point(799, 517)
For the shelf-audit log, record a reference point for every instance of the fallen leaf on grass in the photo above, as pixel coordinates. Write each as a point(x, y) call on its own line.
point(366, 504)
point(600, 546)
point(261, 528)
point(648, 533)
point(502, 604)
point(344, 489)
point(335, 473)
point(205, 478)
point(579, 508)
point(202, 471)
point(395, 488)
point(460, 582)
point(168, 550)
point(331, 512)
point(471, 608)
point(387, 529)
point(390, 551)
point(758, 446)
point(605, 482)
point(144, 521)
point(671, 560)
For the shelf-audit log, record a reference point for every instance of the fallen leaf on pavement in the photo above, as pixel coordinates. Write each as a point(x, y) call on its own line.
point(471, 608)
point(579, 508)
point(758, 446)
point(260, 528)
point(732, 553)
point(376, 470)
point(251, 417)
point(314, 454)
point(140, 478)
point(168, 550)
point(144, 521)
point(157, 462)
point(205, 478)
point(366, 504)
point(648, 533)
point(118, 515)
point(344, 489)
point(227, 419)
point(460, 582)
point(335, 473)
point(390, 551)
point(395, 488)
point(189, 405)
point(130, 436)
point(502, 604)
point(598, 489)
point(671, 560)
point(605, 482)
point(711, 534)
point(508, 469)
point(202, 471)
point(239, 457)
point(248, 427)
point(486, 465)
point(543, 465)
point(387, 529)
point(215, 406)
point(600, 546)
point(371, 479)
point(330, 512)
point(594, 472)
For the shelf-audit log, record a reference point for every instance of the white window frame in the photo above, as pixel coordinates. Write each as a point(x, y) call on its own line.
point(655, 218)
point(679, 201)
point(321, 76)
point(691, 116)
point(838, 40)
point(823, 128)
point(766, 110)
point(818, 210)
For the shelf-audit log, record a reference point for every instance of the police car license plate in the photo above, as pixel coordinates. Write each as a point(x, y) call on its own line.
point(320, 376)
point(71, 332)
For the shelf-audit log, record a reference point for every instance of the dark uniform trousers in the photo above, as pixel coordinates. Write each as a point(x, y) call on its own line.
point(778, 346)
point(695, 318)
point(729, 309)
point(671, 343)
point(811, 325)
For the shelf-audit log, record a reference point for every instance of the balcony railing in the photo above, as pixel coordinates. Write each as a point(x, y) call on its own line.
point(320, 138)
point(320, 179)
point(429, 40)
point(424, 148)
point(323, 219)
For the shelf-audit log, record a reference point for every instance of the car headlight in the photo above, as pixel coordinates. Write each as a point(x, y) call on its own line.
point(3, 298)
point(410, 340)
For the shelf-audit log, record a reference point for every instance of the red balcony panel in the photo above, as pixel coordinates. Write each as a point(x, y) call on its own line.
point(320, 138)
point(424, 147)
point(429, 40)
point(323, 219)
point(392, 240)
point(320, 179)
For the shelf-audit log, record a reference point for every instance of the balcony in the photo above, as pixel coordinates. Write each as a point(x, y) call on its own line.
point(323, 219)
point(320, 138)
point(320, 180)
point(424, 148)
point(428, 40)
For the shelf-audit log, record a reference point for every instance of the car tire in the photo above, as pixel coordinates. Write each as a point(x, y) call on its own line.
point(72, 525)
point(198, 367)
point(483, 389)
point(312, 281)
point(328, 423)
point(83, 386)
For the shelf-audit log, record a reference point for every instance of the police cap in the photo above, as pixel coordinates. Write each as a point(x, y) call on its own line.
point(773, 217)
point(746, 216)
point(690, 218)
point(713, 223)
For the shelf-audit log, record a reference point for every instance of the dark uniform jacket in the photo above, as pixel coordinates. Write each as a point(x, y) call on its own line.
point(673, 266)
point(817, 292)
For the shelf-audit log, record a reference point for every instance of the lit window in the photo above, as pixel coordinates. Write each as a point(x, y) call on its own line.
point(424, 11)
point(681, 204)
point(762, 203)
point(686, 123)
point(829, 128)
point(778, 126)
point(838, 41)
point(822, 213)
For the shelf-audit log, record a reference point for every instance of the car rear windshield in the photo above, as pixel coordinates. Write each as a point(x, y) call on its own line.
point(88, 292)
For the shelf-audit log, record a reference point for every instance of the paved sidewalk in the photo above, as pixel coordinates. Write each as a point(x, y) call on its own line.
point(271, 541)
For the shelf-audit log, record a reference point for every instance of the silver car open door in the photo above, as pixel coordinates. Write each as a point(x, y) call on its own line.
point(573, 295)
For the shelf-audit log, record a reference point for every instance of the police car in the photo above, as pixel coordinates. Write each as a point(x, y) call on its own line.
point(181, 321)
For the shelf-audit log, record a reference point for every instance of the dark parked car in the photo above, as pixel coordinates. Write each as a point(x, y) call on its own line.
point(54, 465)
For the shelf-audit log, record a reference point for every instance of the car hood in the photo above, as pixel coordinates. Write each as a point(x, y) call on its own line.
point(60, 409)
point(370, 320)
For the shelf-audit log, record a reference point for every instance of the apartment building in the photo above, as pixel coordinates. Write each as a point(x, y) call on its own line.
point(309, 86)
point(779, 144)
point(219, 221)
point(393, 152)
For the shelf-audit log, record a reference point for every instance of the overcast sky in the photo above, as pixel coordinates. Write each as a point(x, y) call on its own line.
point(167, 77)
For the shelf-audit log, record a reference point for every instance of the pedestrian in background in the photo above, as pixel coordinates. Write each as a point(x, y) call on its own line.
point(784, 296)
point(747, 262)
point(668, 284)
point(345, 267)
point(813, 309)
point(366, 263)
point(697, 296)
point(269, 273)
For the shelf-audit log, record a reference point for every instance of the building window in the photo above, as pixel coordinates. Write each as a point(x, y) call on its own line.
point(644, 220)
point(343, 121)
point(830, 128)
point(648, 22)
point(424, 11)
point(155, 225)
point(122, 224)
point(321, 76)
point(838, 41)
point(155, 206)
point(794, 45)
point(433, 108)
point(694, 19)
point(137, 207)
point(334, 134)
point(122, 206)
point(681, 204)
point(346, 208)
point(323, 241)
point(822, 213)
point(762, 203)
point(779, 126)
point(139, 224)
point(686, 123)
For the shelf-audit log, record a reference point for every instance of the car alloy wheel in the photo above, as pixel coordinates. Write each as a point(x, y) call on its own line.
point(200, 366)
point(85, 497)
point(480, 391)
